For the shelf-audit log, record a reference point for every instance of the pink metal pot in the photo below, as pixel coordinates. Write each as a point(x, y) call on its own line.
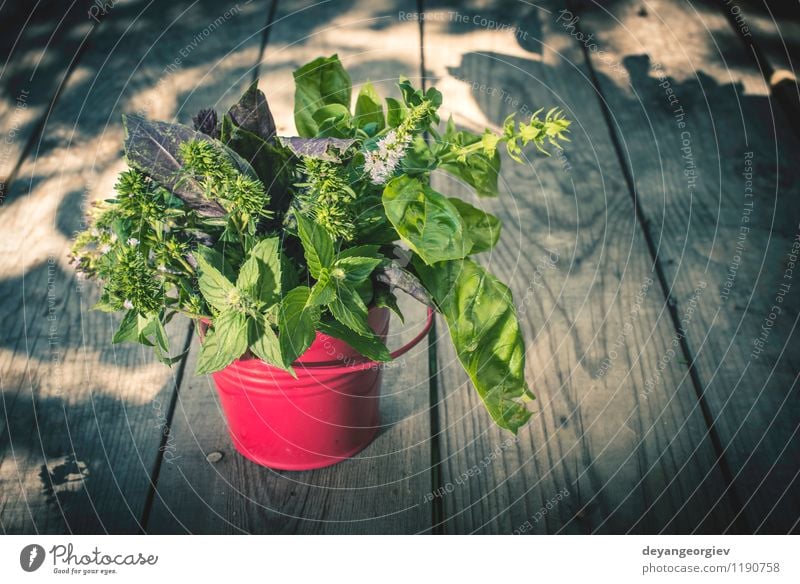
point(326, 415)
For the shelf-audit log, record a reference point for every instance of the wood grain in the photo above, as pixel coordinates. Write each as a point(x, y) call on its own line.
point(383, 489)
point(603, 452)
point(36, 56)
point(83, 419)
point(697, 224)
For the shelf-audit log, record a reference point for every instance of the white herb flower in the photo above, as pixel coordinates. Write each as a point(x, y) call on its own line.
point(105, 248)
point(133, 242)
point(381, 163)
point(128, 304)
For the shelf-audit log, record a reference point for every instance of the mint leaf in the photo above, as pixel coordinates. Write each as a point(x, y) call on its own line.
point(317, 245)
point(297, 323)
point(218, 291)
point(260, 275)
point(357, 269)
point(223, 343)
point(350, 310)
point(369, 345)
point(323, 292)
point(264, 343)
point(230, 327)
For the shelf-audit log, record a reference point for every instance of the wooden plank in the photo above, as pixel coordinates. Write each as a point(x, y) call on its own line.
point(772, 34)
point(42, 42)
point(710, 222)
point(82, 420)
point(383, 489)
point(603, 453)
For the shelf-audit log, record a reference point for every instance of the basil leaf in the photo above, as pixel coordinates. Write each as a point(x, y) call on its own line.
point(268, 159)
point(425, 220)
point(297, 323)
point(153, 148)
point(479, 311)
point(357, 269)
point(317, 245)
point(260, 274)
point(483, 227)
point(350, 310)
point(264, 343)
point(321, 82)
point(218, 291)
point(369, 109)
point(335, 111)
point(383, 298)
point(252, 113)
point(395, 112)
point(322, 148)
point(369, 345)
point(398, 278)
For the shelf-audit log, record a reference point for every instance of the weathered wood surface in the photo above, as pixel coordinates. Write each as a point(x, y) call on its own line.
point(629, 458)
point(709, 224)
point(384, 488)
point(653, 412)
point(83, 419)
point(44, 42)
point(771, 31)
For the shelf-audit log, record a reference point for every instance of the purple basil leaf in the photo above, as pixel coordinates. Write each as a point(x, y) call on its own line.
point(252, 113)
point(317, 147)
point(206, 122)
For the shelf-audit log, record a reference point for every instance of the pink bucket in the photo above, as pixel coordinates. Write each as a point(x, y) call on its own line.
point(326, 415)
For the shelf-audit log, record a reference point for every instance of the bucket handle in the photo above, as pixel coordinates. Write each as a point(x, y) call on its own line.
point(367, 363)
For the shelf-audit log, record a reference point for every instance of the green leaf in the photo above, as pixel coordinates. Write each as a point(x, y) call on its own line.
point(383, 298)
point(128, 330)
point(369, 345)
point(334, 111)
point(369, 109)
point(483, 325)
point(216, 260)
point(297, 323)
point(479, 169)
point(395, 112)
point(264, 343)
point(323, 292)
point(231, 330)
point(425, 220)
point(366, 251)
point(218, 291)
point(357, 269)
point(321, 82)
point(483, 228)
point(317, 245)
point(260, 274)
point(350, 310)
point(211, 357)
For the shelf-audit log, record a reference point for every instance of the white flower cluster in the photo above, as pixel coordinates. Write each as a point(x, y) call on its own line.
point(381, 163)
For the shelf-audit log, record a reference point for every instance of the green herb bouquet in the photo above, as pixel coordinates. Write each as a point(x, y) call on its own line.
point(271, 239)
